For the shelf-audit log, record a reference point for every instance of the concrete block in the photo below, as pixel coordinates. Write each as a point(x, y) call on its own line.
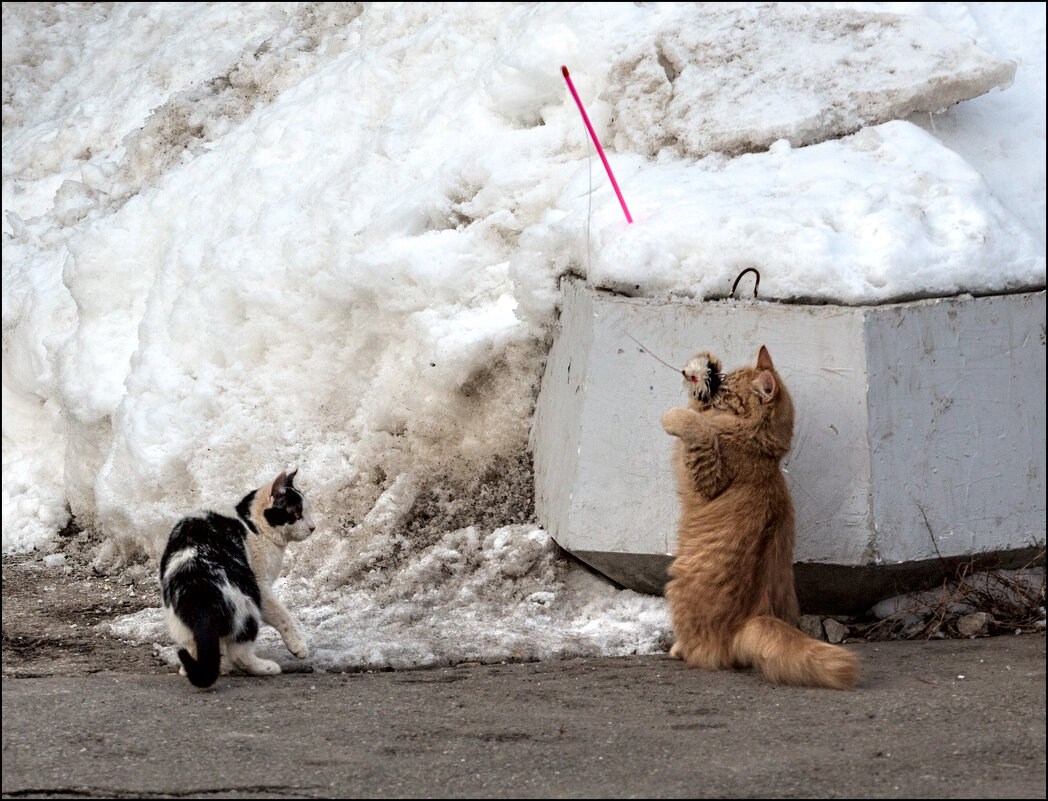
point(919, 439)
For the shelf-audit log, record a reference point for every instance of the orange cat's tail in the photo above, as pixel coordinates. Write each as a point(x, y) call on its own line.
point(788, 656)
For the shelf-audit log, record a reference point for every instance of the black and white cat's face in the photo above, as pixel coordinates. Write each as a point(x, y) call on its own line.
point(702, 376)
point(288, 511)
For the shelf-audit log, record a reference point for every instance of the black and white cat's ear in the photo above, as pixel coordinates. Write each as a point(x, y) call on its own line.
point(279, 485)
point(291, 476)
point(764, 360)
point(764, 385)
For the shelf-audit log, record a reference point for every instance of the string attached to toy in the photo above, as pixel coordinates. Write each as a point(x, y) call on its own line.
point(589, 202)
point(629, 218)
point(643, 348)
point(694, 379)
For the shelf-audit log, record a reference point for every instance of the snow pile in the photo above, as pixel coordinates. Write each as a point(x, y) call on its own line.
point(243, 238)
point(503, 596)
point(884, 214)
point(735, 84)
point(1001, 133)
point(146, 79)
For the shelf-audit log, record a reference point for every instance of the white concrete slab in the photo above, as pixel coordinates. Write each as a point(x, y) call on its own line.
point(927, 410)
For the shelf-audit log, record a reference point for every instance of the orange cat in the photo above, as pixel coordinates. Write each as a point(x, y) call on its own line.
point(731, 594)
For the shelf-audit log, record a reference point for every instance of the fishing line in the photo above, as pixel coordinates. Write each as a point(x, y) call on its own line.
point(735, 286)
point(589, 200)
point(643, 348)
point(592, 135)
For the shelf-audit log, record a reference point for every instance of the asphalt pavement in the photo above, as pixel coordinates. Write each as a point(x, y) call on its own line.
point(938, 719)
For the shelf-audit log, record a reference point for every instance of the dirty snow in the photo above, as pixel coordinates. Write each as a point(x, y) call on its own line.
point(735, 84)
point(243, 237)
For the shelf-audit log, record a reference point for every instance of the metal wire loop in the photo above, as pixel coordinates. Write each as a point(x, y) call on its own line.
point(756, 282)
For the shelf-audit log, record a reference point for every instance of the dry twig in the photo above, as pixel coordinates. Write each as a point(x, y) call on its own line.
point(1014, 599)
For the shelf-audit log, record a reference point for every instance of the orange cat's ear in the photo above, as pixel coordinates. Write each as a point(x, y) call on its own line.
point(764, 360)
point(764, 385)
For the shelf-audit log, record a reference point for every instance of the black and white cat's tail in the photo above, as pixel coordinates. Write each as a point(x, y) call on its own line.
point(202, 671)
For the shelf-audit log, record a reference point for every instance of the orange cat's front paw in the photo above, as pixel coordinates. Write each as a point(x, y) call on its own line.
point(675, 422)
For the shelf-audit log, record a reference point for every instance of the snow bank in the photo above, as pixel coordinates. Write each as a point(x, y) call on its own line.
point(885, 214)
point(1001, 134)
point(504, 596)
point(755, 73)
point(241, 238)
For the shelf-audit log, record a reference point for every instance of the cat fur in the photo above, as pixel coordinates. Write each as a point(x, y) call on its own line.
point(216, 577)
point(731, 592)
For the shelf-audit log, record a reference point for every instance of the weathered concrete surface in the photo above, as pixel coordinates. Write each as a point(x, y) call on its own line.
point(920, 426)
point(943, 719)
point(957, 425)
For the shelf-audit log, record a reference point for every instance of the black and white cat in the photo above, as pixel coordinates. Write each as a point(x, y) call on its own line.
point(217, 575)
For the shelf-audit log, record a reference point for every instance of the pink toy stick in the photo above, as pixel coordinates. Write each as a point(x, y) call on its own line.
point(600, 150)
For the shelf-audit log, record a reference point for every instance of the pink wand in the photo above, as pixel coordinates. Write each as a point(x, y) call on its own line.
point(600, 150)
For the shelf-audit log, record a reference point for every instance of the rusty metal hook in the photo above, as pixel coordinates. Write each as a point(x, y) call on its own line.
point(756, 282)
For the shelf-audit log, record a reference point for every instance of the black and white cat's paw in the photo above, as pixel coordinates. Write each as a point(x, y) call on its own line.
point(702, 376)
point(260, 667)
point(298, 648)
point(242, 657)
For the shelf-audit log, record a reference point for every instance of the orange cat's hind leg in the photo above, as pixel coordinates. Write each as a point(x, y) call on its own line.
point(677, 651)
point(706, 657)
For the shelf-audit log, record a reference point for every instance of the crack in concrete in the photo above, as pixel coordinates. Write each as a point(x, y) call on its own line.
point(102, 792)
